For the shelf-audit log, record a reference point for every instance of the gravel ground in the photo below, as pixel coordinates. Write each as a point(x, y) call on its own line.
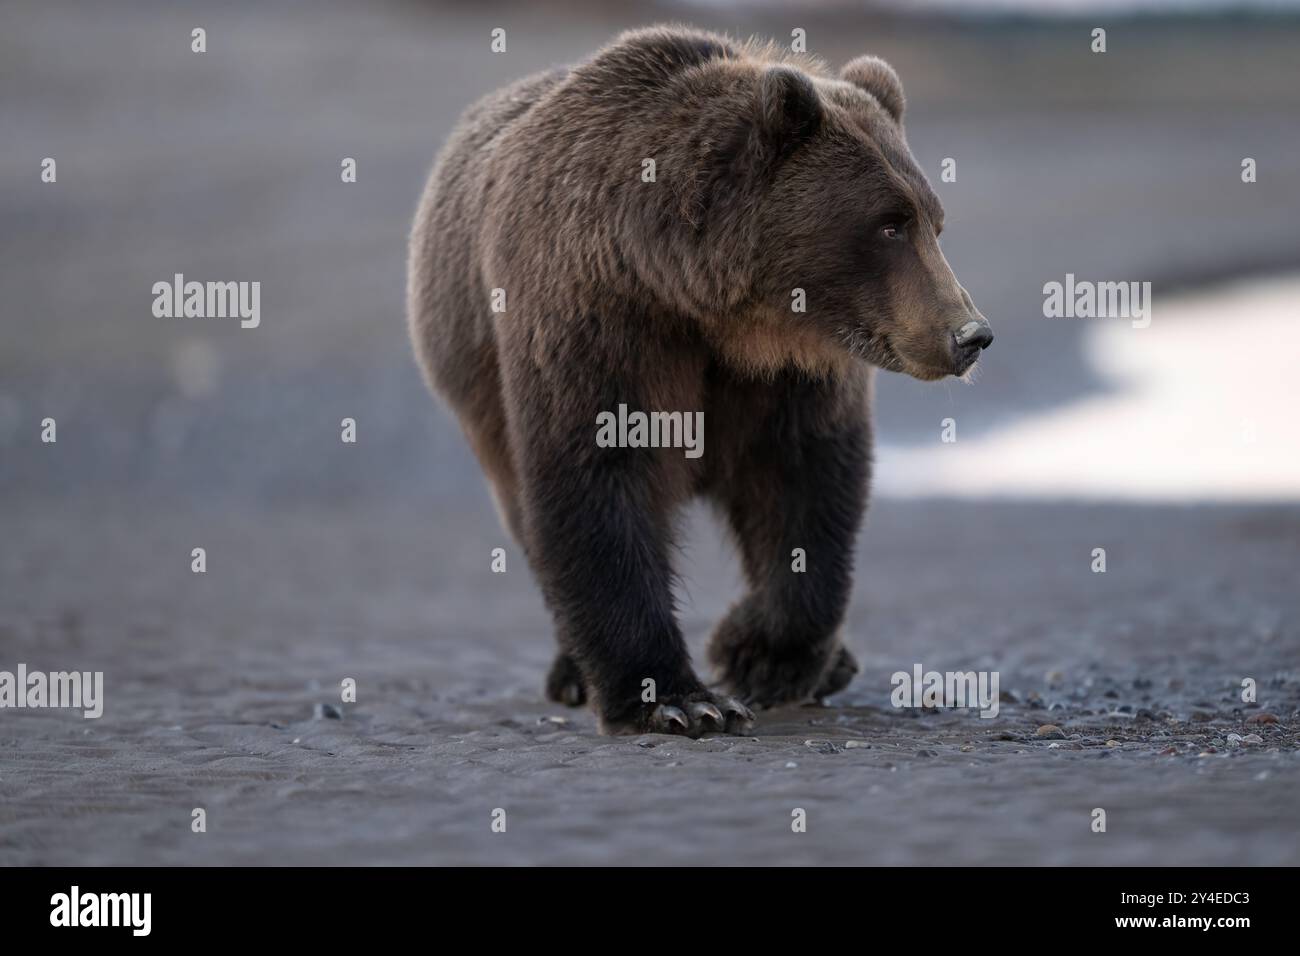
point(217, 687)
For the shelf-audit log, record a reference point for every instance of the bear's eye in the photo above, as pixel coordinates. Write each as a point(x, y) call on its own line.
point(891, 231)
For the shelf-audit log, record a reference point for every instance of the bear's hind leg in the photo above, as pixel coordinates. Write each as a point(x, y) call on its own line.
point(564, 683)
point(487, 436)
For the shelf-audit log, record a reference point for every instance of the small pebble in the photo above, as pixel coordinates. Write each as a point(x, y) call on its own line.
point(821, 746)
point(1051, 732)
point(1252, 739)
point(1112, 743)
point(849, 744)
point(1234, 740)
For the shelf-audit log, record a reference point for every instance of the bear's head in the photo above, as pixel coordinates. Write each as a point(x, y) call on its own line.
point(839, 210)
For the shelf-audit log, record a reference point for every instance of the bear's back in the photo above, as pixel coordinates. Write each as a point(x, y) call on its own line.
point(572, 203)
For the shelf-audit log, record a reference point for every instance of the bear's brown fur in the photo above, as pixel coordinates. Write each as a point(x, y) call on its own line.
point(775, 182)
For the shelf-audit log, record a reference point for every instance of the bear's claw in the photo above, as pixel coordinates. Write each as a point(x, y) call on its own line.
point(694, 715)
point(739, 717)
point(668, 719)
point(701, 710)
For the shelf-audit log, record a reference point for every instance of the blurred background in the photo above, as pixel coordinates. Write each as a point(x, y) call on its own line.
point(1122, 166)
point(1173, 446)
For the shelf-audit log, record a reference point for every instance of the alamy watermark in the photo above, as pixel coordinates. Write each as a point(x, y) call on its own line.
point(75, 908)
point(209, 300)
point(651, 430)
point(1083, 299)
point(933, 689)
point(76, 689)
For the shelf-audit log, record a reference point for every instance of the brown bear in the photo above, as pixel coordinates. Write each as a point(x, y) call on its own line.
point(683, 224)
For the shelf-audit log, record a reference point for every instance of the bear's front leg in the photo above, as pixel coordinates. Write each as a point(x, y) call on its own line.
point(794, 495)
point(599, 549)
point(598, 523)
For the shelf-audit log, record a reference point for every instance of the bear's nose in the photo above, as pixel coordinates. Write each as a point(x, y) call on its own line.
point(974, 334)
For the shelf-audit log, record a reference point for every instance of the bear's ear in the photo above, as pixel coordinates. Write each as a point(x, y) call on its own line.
point(782, 112)
point(879, 79)
point(789, 107)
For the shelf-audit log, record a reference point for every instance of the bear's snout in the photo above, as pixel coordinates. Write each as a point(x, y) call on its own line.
point(975, 334)
point(967, 343)
point(970, 338)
